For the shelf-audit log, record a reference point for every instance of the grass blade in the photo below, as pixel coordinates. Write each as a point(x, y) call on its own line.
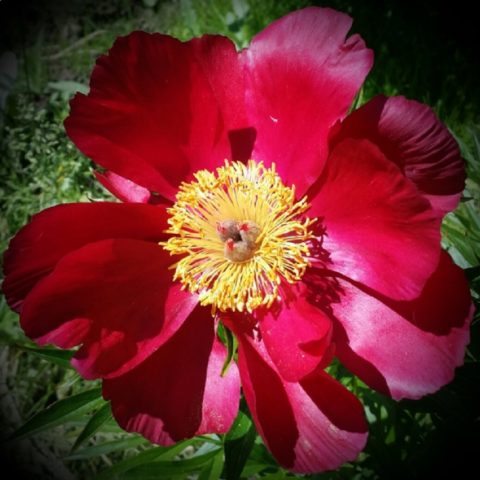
point(213, 470)
point(142, 458)
point(54, 355)
point(167, 468)
point(107, 447)
point(103, 414)
point(58, 413)
point(238, 444)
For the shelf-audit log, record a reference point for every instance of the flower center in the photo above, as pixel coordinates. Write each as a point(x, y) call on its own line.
point(241, 234)
point(239, 239)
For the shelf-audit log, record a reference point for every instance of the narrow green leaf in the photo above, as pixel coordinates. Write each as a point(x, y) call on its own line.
point(238, 444)
point(103, 414)
point(231, 343)
point(211, 438)
point(278, 475)
point(59, 357)
point(240, 427)
point(259, 459)
point(162, 468)
point(213, 470)
point(142, 458)
point(260, 454)
point(107, 447)
point(60, 412)
point(110, 426)
point(251, 469)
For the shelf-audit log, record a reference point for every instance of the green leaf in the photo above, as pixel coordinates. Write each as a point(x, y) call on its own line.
point(259, 459)
point(103, 414)
point(240, 427)
point(60, 412)
point(213, 470)
point(211, 438)
point(238, 444)
point(461, 236)
point(161, 469)
point(231, 343)
point(107, 447)
point(142, 458)
point(54, 355)
point(278, 475)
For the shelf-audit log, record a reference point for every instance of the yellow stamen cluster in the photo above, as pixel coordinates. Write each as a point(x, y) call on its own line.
point(238, 192)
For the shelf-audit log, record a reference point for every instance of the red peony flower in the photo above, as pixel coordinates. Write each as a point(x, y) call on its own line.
point(250, 198)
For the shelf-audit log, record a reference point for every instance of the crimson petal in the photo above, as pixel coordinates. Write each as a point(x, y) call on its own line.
point(116, 298)
point(159, 109)
point(377, 225)
point(410, 134)
point(297, 336)
point(178, 392)
point(301, 77)
point(57, 231)
point(310, 426)
point(124, 189)
point(406, 350)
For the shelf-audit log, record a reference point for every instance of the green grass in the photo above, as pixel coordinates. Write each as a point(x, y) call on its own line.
point(56, 49)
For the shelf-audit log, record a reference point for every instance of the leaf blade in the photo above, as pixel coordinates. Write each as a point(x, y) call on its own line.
point(53, 355)
point(106, 448)
point(142, 458)
point(238, 444)
point(96, 421)
point(59, 413)
point(213, 469)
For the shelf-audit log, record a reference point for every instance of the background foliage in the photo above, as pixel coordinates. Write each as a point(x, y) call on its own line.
point(63, 428)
